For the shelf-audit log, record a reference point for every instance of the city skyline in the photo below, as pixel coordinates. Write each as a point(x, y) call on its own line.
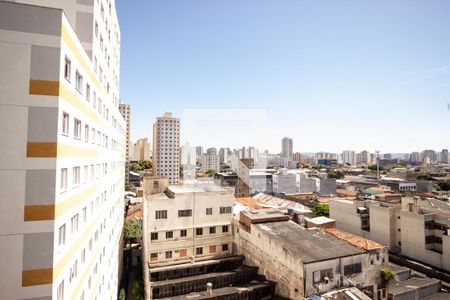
point(331, 77)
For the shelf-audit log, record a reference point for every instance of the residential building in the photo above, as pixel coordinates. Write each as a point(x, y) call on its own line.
point(199, 151)
point(125, 111)
point(62, 167)
point(211, 151)
point(323, 260)
point(142, 150)
point(210, 162)
point(444, 156)
point(349, 157)
point(287, 151)
point(224, 155)
point(415, 158)
point(186, 223)
point(414, 229)
point(166, 148)
point(298, 157)
point(365, 157)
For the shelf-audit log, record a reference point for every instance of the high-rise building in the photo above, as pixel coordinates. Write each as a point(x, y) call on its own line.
point(142, 150)
point(211, 151)
point(61, 169)
point(126, 114)
point(166, 148)
point(415, 158)
point(444, 156)
point(365, 157)
point(287, 149)
point(349, 157)
point(210, 162)
point(199, 151)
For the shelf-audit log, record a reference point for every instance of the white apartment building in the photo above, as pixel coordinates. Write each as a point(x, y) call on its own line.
point(349, 157)
point(287, 151)
point(166, 148)
point(284, 182)
point(412, 229)
point(210, 162)
point(125, 111)
point(62, 162)
point(186, 223)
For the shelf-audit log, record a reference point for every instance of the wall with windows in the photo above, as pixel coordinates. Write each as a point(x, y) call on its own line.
point(190, 224)
point(59, 234)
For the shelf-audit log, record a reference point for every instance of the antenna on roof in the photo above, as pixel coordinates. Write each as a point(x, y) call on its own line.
point(448, 106)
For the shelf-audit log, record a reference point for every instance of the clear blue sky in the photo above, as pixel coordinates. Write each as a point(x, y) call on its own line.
point(333, 75)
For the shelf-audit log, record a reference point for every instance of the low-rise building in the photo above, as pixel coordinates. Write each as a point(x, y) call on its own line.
point(303, 261)
point(284, 182)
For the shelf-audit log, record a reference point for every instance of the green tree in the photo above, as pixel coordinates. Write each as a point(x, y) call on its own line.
point(135, 167)
point(444, 185)
point(211, 172)
point(145, 164)
point(321, 210)
point(386, 275)
point(122, 295)
point(132, 230)
point(336, 174)
point(137, 289)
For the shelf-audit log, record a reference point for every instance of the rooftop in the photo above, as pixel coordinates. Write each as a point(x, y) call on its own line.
point(355, 240)
point(280, 203)
point(309, 245)
point(411, 285)
point(320, 220)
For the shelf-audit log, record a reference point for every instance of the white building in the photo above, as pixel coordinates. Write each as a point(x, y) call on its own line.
point(287, 151)
point(62, 167)
point(284, 182)
point(187, 223)
point(349, 157)
point(166, 148)
point(210, 162)
point(125, 111)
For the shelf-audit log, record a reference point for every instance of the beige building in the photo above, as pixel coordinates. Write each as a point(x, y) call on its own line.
point(185, 223)
point(414, 228)
point(125, 110)
point(307, 261)
point(142, 150)
point(210, 162)
point(62, 155)
point(166, 148)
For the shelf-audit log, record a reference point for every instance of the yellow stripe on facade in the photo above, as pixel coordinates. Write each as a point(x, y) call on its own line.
point(53, 150)
point(72, 98)
point(37, 277)
point(86, 273)
point(67, 204)
point(76, 52)
point(42, 149)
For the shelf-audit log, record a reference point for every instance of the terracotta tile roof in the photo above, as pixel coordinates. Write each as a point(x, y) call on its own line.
point(135, 212)
point(250, 202)
point(355, 240)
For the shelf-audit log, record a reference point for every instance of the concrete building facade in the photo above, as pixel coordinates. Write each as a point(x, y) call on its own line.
point(62, 169)
point(125, 111)
point(166, 148)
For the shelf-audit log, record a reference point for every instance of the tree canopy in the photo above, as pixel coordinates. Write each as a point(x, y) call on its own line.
point(140, 166)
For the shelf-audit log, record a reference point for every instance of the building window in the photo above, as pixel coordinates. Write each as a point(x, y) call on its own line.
point(225, 209)
point(77, 129)
point(156, 184)
point(154, 236)
point(209, 211)
point(63, 183)
point(199, 231)
point(62, 235)
point(84, 214)
point(88, 92)
point(199, 251)
point(76, 177)
point(352, 269)
point(67, 68)
point(65, 124)
point(73, 271)
point(79, 82)
point(60, 291)
point(74, 224)
point(86, 133)
point(212, 249)
point(168, 254)
point(169, 234)
point(154, 256)
point(161, 214)
point(212, 230)
point(183, 233)
point(185, 213)
point(225, 228)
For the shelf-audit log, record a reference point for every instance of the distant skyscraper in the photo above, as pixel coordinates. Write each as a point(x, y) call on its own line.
point(365, 157)
point(444, 156)
point(199, 151)
point(166, 148)
point(287, 146)
point(211, 151)
point(415, 158)
point(125, 111)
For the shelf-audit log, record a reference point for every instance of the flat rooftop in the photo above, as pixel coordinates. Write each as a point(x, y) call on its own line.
point(196, 188)
point(309, 245)
point(411, 284)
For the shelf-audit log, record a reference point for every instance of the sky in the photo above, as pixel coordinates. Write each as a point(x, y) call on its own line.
point(332, 75)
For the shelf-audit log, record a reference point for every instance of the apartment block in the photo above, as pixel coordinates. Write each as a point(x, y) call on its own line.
point(62, 162)
point(125, 110)
point(411, 228)
point(210, 162)
point(142, 150)
point(166, 148)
